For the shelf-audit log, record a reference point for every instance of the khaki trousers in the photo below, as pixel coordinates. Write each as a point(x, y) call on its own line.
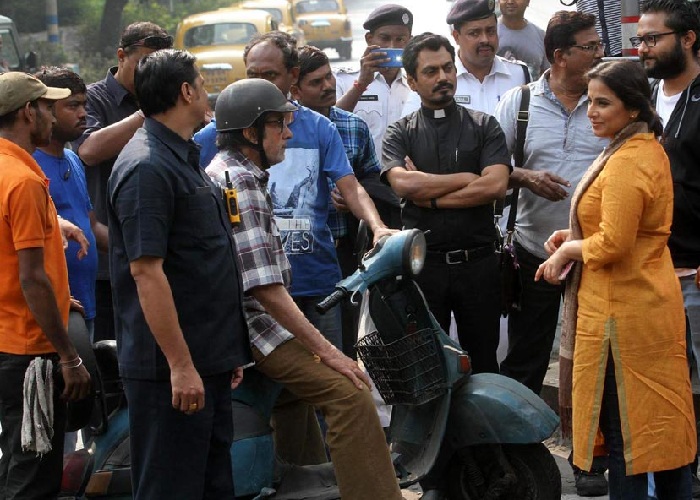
point(356, 441)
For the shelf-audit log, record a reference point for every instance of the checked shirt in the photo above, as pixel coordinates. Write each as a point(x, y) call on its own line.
point(260, 252)
point(359, 147)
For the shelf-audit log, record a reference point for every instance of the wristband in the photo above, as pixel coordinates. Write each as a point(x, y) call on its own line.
point(359, 87)
point(433, 203)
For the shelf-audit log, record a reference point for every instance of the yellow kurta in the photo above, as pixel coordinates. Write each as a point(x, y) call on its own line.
point(630, 304)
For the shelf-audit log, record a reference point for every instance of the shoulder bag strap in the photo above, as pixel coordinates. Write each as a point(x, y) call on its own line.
point(518, 154)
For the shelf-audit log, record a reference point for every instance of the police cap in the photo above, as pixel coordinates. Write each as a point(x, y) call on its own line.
point(470, 10)
point(389, 15)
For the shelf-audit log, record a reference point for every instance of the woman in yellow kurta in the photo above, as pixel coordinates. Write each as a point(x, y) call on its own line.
point(623, 304)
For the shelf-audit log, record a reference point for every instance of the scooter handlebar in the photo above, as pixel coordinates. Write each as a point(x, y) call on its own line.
point(334, 298)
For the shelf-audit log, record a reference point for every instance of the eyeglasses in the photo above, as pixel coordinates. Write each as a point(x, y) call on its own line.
point(649, 40)
point(281, 123)
point(155, 42)
point(592, 47)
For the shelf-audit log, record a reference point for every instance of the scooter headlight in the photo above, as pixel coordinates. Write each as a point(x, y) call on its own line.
point(414, 253)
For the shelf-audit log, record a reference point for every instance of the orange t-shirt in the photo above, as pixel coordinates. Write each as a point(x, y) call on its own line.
point(27, 220)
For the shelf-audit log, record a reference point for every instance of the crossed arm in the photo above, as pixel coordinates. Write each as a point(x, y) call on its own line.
point(459, 190)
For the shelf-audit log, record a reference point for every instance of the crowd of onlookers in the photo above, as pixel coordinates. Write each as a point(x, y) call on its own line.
point(111, 204)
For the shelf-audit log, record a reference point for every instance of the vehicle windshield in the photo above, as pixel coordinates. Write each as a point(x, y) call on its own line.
point(220, 34)
point(9, 55)
point(275, 13)
point(312, 6)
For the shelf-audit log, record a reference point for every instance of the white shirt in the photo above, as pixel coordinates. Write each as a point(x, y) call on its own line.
point(481, 96)
point(665, 104)
point(380, 105)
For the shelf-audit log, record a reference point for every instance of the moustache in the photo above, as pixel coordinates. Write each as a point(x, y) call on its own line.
point(327, 93)
point(485, 46)
point(443, 86)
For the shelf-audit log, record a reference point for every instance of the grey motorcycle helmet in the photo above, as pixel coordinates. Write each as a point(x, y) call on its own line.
point(242, 102)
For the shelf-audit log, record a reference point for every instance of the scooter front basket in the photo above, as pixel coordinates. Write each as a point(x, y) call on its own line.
point(407, 371)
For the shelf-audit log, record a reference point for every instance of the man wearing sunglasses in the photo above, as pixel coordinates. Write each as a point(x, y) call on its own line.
point(668, 39)
point(113, 116)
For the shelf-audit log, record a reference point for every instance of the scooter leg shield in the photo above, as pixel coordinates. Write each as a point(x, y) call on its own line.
point(491, 408)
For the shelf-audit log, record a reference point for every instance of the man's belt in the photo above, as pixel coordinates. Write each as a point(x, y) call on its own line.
point(461, 256)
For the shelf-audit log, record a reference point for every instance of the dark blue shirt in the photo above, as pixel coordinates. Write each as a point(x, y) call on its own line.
point(161, 204)
point(107, 103)
point(69, 193)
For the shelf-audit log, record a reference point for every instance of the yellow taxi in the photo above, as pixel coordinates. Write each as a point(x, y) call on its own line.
point(326, 25)
point(217, 39)
point(283, 12)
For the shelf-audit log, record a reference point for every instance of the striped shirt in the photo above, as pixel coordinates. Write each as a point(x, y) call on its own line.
point(610, 13)
point(260, 252)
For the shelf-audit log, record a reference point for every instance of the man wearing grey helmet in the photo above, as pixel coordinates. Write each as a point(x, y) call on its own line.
point(252, 118)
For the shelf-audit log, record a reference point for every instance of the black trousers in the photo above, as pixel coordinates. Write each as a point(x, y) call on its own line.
point(24, 475)
point(470, 290)
point(531, 330)
point(174, 455)
point(104, 317)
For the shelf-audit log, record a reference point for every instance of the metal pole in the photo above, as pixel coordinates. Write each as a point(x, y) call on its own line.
point(630, 18)
point(52, 21)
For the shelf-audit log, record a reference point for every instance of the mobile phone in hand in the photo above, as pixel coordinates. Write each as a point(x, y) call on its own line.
point(394, 56)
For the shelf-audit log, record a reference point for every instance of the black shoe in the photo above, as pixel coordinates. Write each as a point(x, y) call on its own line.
point(590, 484)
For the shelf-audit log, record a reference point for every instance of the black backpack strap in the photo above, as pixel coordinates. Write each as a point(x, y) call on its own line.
point(518, 154)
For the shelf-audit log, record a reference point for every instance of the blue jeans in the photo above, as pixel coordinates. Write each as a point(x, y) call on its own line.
point(328, 324)
point(670, 485)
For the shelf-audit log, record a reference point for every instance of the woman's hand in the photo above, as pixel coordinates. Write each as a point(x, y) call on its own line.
point(556, 239)
point(552, 268)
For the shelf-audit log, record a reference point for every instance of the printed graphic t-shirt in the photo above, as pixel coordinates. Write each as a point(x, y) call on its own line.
point(299, 190)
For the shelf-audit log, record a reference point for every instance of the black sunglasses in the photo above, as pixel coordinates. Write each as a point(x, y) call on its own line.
point(156, 42)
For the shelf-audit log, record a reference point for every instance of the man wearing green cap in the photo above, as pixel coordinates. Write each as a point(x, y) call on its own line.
point(34, 295)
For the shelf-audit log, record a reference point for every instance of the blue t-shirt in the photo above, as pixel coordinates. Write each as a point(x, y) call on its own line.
point(300, 192)
point(68, 190)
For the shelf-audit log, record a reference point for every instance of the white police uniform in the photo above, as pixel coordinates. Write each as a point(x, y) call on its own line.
point(481, 96)
point(380, 105)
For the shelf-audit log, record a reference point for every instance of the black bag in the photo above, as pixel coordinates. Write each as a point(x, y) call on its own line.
point(511, 280)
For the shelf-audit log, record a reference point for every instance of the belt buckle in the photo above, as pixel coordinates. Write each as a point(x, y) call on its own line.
point(456, 253)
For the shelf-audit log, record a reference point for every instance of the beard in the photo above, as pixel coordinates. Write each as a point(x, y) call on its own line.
point(667, 65)
point(41, 134)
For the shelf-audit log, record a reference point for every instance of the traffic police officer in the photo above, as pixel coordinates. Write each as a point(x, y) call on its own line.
point(377, 94)
point(482, 76)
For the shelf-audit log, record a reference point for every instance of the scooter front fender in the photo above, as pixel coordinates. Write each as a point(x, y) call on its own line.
point(491, 408)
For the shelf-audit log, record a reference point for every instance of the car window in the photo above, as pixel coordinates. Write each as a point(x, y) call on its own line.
point(8, 51)
point(275, 13)
point(311, 6)
point(219, 34)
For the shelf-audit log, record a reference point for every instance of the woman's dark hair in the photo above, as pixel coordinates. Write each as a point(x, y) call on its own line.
point(159, 77)
point(562, 29)
point(628, 81)
point(419, 43)
point(62, 78)
point(681, 16)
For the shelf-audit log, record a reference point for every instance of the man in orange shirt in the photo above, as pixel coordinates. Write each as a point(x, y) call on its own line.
point(34, 295)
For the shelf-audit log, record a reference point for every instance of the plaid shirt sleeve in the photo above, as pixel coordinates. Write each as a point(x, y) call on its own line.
point(260, 253)
point(254, 233)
